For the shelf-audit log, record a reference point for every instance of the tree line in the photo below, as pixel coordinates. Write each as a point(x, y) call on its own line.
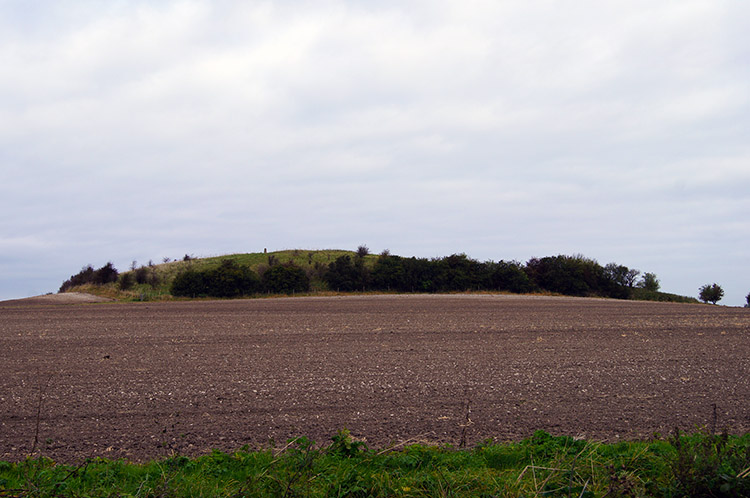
point(569, 275)
point(231, 279)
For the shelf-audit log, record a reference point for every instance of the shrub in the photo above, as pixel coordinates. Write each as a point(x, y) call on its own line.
point(363, 251)
point(286, 278)
point(709, 465)
point(127, 281)
point(104, 275)
point(142, 275)
point(231, 280)
point(228, 280)
point(85, 276)
point(189, 283)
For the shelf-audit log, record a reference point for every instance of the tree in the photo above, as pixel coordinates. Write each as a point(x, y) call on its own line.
point(631, 277)
point(509, 276)
point(747, 298)
point(571, 275)
point(711, 293)
point(649, 282)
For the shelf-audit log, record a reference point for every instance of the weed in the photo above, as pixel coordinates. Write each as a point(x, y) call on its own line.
point(709, 465)
point(701, 464)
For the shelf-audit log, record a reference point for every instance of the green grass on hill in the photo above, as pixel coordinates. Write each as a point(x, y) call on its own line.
point(543, 465)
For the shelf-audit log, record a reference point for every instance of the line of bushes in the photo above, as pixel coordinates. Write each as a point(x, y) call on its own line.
point(569, 275)
point(231, 279)
point(104, 275)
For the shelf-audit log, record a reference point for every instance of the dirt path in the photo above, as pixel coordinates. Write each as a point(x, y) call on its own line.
point(147, 379)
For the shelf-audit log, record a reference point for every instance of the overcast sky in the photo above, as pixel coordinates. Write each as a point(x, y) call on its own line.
point(138, 130)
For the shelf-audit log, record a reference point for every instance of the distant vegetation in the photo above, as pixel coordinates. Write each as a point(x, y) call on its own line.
point(104, 275)
point(298, 271)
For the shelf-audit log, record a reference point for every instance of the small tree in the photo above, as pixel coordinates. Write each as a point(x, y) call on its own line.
point(747, 298)
point(649, 282)
point(711, 293)
point(631, 277)
point(363, 251)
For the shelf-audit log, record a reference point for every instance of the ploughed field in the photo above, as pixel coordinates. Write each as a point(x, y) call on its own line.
point(146, 380)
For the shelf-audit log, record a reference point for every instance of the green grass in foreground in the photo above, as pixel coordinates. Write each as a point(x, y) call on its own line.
point(684, 465)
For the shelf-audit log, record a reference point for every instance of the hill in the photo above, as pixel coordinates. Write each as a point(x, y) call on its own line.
point(154, 281)
point(248, 274)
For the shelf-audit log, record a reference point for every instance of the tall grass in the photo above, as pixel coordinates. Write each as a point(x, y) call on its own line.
point(700, 464)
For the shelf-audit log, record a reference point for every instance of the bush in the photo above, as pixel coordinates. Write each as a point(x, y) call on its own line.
point(189, 283)
point(142, 275)
point(228, 280)
point(709, 465)
point(286, 279)
point(127, 281)
point(231, 280)
point(104, 275)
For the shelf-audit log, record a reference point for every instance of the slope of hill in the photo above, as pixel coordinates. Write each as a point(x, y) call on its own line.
point(153, 282)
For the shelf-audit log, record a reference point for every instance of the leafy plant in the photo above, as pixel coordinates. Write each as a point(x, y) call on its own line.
point(709, 465)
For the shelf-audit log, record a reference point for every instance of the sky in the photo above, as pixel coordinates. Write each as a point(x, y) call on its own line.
point(505, 130)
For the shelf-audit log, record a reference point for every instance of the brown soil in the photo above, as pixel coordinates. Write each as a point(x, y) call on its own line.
point(145, 380)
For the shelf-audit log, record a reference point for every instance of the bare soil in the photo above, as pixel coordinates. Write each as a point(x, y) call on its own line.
point(146, 380)
point(61, 298)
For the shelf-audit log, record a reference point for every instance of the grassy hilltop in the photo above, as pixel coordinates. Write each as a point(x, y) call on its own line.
point(158, 278)
point(301, 271)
